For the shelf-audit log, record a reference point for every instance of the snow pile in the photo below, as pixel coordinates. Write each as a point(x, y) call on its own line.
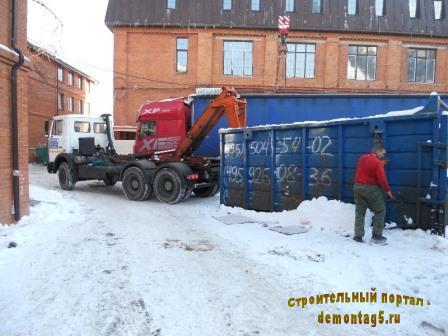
point(402, 113)
point(327, 260)
point(48, 208)
point(89, 262)
point(440, 244)
point(208, 91)
point(320, 213)
point(8, 49)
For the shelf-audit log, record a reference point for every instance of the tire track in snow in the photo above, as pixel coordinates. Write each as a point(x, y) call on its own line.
point(223, 289)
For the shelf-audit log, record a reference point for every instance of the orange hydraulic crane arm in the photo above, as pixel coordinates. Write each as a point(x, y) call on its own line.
point(226, 103)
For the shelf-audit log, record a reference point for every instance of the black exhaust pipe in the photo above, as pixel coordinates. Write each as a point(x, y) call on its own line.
point(110, 149)
point(14, 111)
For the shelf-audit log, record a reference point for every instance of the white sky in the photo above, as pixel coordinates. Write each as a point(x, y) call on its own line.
point(84, 41)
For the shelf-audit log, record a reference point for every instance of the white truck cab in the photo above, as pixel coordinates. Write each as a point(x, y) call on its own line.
point(66, 130)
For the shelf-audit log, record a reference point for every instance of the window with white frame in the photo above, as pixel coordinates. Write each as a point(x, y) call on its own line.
point(79, 82)
point(255, 5)
point(300, 60)
point(289, 5)
point(80, 106)
point(413, 8)
point(421, 65)
point(60, 101)
point(71, 102)
point(438, 9)
point(182, 54)
point(361, 62)
point(171, 4)
point(352, 7)
point(227, 4)
point(238, 58)
point(60, 74)
point(379, 7)
point(316, 6)
point(70, 78)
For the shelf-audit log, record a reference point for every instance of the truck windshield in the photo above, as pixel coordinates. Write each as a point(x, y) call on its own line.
point(57, 127)
point(99, 127)
point(82, 127)
point(147, 128)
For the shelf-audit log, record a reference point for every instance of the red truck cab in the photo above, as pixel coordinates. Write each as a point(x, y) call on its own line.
point(161, 125)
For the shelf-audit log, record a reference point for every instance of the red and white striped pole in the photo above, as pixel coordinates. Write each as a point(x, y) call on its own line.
point(283, 27)
point(283, 31)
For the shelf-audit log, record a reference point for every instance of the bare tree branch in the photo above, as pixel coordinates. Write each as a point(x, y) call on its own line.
point(44, 5)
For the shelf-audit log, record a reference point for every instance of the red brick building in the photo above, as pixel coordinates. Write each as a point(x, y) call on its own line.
point(13, 171)
point(54, 88)
point(166, 48)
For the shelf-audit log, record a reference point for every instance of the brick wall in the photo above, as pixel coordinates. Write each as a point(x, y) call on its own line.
point(151, 53)
point(42, 100)
point(5, 22)
point(43, 88)
point(5, 26)
point(7, 59)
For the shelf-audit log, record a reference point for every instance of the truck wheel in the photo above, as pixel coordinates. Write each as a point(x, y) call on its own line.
point(135, 186)
point(187, 194)
point(110, 181)
point(169, 187)
point(67, 179)
point(206, 192)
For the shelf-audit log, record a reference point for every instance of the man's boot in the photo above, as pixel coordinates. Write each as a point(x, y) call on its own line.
point(377, 239)
point(358, 239)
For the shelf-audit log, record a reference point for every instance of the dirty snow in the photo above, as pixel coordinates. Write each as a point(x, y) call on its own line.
point(89, 262)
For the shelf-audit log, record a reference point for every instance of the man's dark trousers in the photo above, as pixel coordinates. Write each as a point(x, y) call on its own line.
point(369, 197)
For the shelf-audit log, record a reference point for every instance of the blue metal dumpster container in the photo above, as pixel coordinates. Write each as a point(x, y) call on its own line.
point(274, 168)
point(268, 109)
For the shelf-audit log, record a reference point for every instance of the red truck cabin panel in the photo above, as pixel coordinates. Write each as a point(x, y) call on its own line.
point(161, 125)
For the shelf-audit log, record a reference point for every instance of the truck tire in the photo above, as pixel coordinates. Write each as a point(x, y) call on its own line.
point(169, 187)
point(67, 179)
point(135, 185)
point(188, 194)
point(110, 181)
point(206, 192)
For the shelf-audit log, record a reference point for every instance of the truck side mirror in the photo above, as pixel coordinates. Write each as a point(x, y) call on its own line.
point(46, 128)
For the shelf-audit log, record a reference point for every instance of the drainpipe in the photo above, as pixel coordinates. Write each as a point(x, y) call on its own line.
point(57, 89)
point(14, 109)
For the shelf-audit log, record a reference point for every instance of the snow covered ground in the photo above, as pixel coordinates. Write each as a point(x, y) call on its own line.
point(89, 262)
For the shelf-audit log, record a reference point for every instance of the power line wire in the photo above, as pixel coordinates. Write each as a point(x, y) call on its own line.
point(130, 75)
